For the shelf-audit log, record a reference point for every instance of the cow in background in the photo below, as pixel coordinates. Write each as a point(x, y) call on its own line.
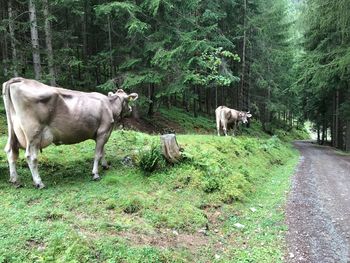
point(39, 115)
point(225, 117)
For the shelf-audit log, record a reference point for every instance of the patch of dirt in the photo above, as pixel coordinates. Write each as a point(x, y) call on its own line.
point(34, 244)
point(157, 124)
point(140, 125)
point(167, 238)
point(318, 207)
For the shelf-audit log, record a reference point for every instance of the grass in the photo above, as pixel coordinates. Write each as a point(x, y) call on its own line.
point(181, 213)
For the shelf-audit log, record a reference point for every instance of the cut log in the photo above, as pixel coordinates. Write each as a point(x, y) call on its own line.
point(170, 148)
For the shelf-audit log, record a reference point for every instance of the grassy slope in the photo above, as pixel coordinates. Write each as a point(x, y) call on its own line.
point(184, 213)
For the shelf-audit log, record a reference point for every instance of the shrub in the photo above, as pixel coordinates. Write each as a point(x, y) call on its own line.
point(212, 183)
point(151, 159)
point(273, 142)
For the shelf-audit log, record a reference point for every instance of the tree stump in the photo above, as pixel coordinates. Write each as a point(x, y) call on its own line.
point(170, 148)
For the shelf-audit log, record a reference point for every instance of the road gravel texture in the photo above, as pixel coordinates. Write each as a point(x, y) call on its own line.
point(318, 207)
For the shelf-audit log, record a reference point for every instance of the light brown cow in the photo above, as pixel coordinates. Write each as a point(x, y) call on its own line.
point(38, 115)
point(225, 117)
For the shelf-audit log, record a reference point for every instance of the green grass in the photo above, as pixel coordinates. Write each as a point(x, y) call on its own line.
point(180, 213)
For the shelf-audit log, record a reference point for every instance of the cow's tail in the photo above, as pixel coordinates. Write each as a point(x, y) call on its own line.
point(6, 95)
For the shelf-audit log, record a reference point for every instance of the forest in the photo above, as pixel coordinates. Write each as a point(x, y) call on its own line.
point(267, 194)
point(285, 61)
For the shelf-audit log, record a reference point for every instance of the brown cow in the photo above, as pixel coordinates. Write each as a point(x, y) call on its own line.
point(226, 117)
point(39, 115)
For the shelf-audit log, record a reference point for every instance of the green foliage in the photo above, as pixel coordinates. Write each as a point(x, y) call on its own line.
point(183, 49)
point(273, 142)
point(64, 248)
point(323, 62)
point(149, 160)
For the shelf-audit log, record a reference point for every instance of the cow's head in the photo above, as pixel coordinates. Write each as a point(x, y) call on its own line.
point(121, 101)
point(244, 116)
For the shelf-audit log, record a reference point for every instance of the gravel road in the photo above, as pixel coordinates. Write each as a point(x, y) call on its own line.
point(318, 207)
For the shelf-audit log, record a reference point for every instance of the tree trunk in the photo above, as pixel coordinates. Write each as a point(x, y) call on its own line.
point(135, 112)
point(12, 39)
point(151, 97)
point(241, 91)
point(336, 124)
point(222, 96)
point(195, 114)
point(168, 102)
point(110, 45)
point(84, 30)
point(324, 129)
point(347, 137)
point(4, 46)
point(170, 148)
point(4, 56)
point(199, 94)
point(207, 100)
point(35, 39)
point(48, 40)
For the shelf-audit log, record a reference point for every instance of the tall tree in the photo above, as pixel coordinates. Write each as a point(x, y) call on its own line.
point(324, 67)
point(34, 39)
point(48, 40)
point(12, 38)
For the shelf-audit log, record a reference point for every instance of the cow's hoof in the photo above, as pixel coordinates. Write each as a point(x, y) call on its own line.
point(39, 185)
point(96, 177)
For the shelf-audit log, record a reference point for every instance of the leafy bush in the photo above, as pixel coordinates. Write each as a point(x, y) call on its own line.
point(250, 145)
point(151, 159)
point(273, 142)
point(212, 183)
point(235, 188)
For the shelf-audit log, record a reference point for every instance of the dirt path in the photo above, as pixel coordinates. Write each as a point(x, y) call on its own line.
point(318, 208)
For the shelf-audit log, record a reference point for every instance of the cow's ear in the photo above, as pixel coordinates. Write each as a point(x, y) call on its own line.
point(249, 115)
point(133, 96)
point(110, 94)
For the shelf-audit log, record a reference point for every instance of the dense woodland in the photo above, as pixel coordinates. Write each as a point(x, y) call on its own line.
point(285, 61)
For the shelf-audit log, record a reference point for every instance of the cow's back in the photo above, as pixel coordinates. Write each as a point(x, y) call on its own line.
point(55, 115)
point(226, 114)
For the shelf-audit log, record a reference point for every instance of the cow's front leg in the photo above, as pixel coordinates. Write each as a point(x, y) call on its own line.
point(12, 156)
point(234, 128)
point(218, 126)
point(32, 160)
point(99, 153)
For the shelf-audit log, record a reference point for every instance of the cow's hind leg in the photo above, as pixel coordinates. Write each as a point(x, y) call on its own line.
point(12, 156)
point(218, 126)
point(32, 160)
point(104, 162)
point(224, 127)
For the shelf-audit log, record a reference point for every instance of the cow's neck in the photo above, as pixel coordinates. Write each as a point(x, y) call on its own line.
point(117, 106)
